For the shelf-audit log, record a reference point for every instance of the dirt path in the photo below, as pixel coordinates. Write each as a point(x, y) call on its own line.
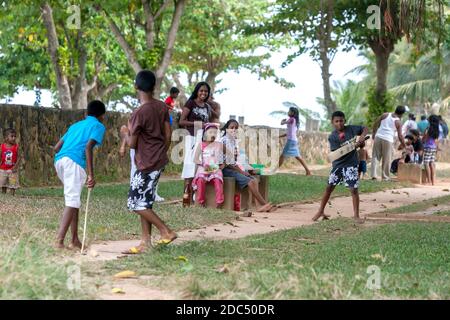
point(287, 217)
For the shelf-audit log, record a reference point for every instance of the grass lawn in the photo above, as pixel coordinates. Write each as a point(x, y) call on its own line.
point(328, 260)
point(423, 205)
point(31, 269)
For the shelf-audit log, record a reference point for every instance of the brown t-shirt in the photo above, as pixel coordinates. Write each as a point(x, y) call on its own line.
point(147, 123)
point(197, 113)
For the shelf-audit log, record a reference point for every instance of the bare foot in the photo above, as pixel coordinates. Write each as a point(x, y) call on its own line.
point(76, 245)
point(265, 208)
point(308, 173)
point(219, 206)
point(320, 215)
point(359, 220)
point(58, 245)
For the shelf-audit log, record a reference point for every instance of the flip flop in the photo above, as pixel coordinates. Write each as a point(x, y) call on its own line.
point(163, 242)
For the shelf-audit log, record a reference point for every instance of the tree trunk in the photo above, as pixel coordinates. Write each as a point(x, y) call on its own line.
point(324, 36)
point(329, 102)
point(211, 80)
point(162, 68)
point(62, 83)
point(382, 51)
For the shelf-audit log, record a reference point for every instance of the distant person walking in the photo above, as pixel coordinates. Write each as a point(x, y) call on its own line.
point(423, 124)
point(291, 149)
point(443, 129)
point(384, 130)
point(410, 124)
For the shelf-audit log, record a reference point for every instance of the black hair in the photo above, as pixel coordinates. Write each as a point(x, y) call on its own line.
point(433, 129)
point(423, 117)
point(8, 131)
point(145, 81)
point(337, 114)
point(194, 94)
point(414, 132)
point(409, 137)
point(225, 127)
point(174, 90)
point(96, 108)
point(412, 116)
point(400, 110)
point(295, 111)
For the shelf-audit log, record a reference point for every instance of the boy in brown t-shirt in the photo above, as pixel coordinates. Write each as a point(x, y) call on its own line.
point(150, 135)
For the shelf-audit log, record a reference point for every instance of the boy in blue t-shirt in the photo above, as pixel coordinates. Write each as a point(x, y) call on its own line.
point(345, 169)
point(74, 156)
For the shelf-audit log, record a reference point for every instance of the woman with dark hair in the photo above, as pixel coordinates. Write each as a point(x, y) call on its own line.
point(291, 149)
point(195, 114)
point(431, 145)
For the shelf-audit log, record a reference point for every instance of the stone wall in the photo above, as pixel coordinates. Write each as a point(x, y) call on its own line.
point(39, 129)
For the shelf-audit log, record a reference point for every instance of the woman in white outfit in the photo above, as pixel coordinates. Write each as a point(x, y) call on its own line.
point(384, 130)
point(195, 114)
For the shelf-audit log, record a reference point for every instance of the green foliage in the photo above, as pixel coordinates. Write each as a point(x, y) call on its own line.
point(378, 105)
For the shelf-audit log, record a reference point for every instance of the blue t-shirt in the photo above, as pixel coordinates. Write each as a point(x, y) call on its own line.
point(78, 136)
point(422, 126)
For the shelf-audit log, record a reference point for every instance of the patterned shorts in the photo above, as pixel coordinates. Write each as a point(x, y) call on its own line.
point(348, 175)
point(429, 155)
point(142, 190)
point(9, 179)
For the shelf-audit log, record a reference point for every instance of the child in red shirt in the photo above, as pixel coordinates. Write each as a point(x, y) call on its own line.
point(170, 100)
point(9, 162)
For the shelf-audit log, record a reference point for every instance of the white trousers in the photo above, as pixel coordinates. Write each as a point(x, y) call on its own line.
point(73, 176)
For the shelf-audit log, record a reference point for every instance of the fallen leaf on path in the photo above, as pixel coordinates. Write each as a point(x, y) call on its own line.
point(272, 226)
point(383, 206)
point(446, 190)
point(232, 231)
point(256, 220)
point(391, 201)
point(232, 224)
point(407, 193)
point(395, 192)
point(117, 290)
point(217, 230)
point(125, 274)
point(374, 199)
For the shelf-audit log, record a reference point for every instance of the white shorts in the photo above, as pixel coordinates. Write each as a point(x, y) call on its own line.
point(73, 176)
point(189, 166)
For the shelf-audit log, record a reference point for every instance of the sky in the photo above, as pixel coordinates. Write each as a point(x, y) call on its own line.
point(255, 99)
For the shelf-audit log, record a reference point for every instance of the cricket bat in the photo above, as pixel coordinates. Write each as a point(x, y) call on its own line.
point(346, 147)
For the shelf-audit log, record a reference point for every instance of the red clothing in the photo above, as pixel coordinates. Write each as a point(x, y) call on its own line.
point(170, 103)
point(8, 156)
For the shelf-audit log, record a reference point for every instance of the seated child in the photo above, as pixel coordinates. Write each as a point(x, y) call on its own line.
point(9, 162)
point(74, 157)
point(209, 158)
point(408, 155)
point(232, 169)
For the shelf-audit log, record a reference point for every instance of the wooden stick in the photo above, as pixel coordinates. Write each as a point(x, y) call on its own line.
point(85, 220)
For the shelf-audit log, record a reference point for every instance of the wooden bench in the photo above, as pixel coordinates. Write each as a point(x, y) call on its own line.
point(411, 172)
point(230, 189)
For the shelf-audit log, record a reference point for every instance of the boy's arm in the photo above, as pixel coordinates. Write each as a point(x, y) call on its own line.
point(398, 125)
point(362, 137)
point(167, 134)
point(376, 125)
point(58, 146)
point(90, 163)
point(16, 166)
